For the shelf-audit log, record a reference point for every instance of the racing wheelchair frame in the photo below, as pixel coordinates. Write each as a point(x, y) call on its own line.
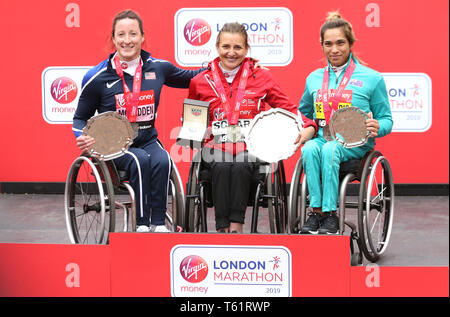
point(375, 204)
point(94, 190)
point(268, 190)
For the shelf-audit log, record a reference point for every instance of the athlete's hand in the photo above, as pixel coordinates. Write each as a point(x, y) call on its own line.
point(372, 126)
point(84, 142)
point(304, 135)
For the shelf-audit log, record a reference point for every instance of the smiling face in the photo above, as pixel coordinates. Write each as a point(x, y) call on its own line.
point(128, 39)
point(232, 49)
point(336, 47)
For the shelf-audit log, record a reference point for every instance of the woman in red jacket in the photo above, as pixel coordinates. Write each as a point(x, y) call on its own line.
point(237, 92)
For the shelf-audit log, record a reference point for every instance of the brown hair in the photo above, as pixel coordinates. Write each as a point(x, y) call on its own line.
point(127, 14)
point(334, 20)
point(233, 27)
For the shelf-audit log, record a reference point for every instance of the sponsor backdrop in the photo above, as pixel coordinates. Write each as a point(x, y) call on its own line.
point(52, 44)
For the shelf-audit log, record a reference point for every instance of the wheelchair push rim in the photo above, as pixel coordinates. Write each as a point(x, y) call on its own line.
point(89, 202)
point(175, 201)
point(376, 207)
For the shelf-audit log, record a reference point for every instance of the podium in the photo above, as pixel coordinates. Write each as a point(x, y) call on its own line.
point(207, 264)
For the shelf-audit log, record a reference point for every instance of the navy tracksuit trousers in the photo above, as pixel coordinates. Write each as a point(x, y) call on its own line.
point(149, 167)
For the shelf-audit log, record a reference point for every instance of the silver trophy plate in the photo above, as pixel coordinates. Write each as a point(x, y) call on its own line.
point(348, 127)
point(272, 134)
point(113, 135)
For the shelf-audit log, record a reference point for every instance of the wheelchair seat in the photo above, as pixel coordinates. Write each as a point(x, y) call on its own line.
point(205, 178)
point(353, 166)
point(267, 190)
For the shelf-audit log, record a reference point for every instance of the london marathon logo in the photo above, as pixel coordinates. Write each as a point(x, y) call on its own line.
point(194, 269)
point(64, 90)
point(197, 32)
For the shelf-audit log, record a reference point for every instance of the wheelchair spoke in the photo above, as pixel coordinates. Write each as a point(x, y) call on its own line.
point(375, 222)
point(89, 220)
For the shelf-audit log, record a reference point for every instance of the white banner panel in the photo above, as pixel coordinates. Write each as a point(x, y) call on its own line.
point(61, 89)
point(221, 270)
point(270, 32)
point(410, 99)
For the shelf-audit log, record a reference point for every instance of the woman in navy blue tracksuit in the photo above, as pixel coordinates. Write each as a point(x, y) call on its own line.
point(129, 81)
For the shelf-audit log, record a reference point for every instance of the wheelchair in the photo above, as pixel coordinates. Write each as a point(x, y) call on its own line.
point(95, 190)
point(268, 190)
point(375, 204)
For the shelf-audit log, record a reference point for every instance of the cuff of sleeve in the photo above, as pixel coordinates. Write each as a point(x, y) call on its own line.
point(311, 123)
point(77, 133)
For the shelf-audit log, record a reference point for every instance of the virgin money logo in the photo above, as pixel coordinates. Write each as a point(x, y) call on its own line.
point(194, 269)
point(219, 114)
point(197, 32)
point(196, 112)
point(64, 90)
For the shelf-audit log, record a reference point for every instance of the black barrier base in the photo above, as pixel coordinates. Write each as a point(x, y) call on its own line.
point(58, 188)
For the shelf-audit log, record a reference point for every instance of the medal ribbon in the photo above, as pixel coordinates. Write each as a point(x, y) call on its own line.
point(231, 114)
point(131, 98)
point(328, 111)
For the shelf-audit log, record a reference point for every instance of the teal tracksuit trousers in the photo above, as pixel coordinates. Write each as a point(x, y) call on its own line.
point(321, 161)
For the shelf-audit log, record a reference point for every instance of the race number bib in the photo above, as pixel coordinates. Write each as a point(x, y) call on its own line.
point(220, 130)
point(346, 101)
point(145, 111)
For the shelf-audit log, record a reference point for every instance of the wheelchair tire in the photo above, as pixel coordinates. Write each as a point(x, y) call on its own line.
point(89, 202)
point(255, 211)
point(299, 199)
point(294, 198)
point(175, 204)
point(375, 206)
point(201, 215)
point(281, 213)
point(192, 194)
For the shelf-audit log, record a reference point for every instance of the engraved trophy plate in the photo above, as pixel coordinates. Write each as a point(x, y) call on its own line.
point(272, 134)
point(348, 127)
point(195, 123)
point(113, 135)
point(327, 133)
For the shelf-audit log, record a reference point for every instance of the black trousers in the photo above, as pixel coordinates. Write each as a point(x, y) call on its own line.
point(231, 178)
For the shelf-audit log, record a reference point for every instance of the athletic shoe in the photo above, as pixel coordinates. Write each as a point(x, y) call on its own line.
point(330, 223)
point(142, 229)
point(312, 223)
point(161, 228)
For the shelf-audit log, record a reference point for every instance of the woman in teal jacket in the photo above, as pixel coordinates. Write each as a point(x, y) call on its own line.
point(349, 84)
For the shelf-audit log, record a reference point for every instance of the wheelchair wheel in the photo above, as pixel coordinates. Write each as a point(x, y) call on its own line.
point(89, 202)
point(281, 214)
point(298, 199)
point(192, 195)
point(294, 198)
point(175, 203)
point(375, 206)
point(276, 195)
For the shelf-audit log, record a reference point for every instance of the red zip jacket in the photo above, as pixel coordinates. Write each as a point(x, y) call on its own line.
point(261, 92)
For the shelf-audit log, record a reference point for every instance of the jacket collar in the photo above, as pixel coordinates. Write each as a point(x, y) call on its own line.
point(346, 65)
point(144, 55)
